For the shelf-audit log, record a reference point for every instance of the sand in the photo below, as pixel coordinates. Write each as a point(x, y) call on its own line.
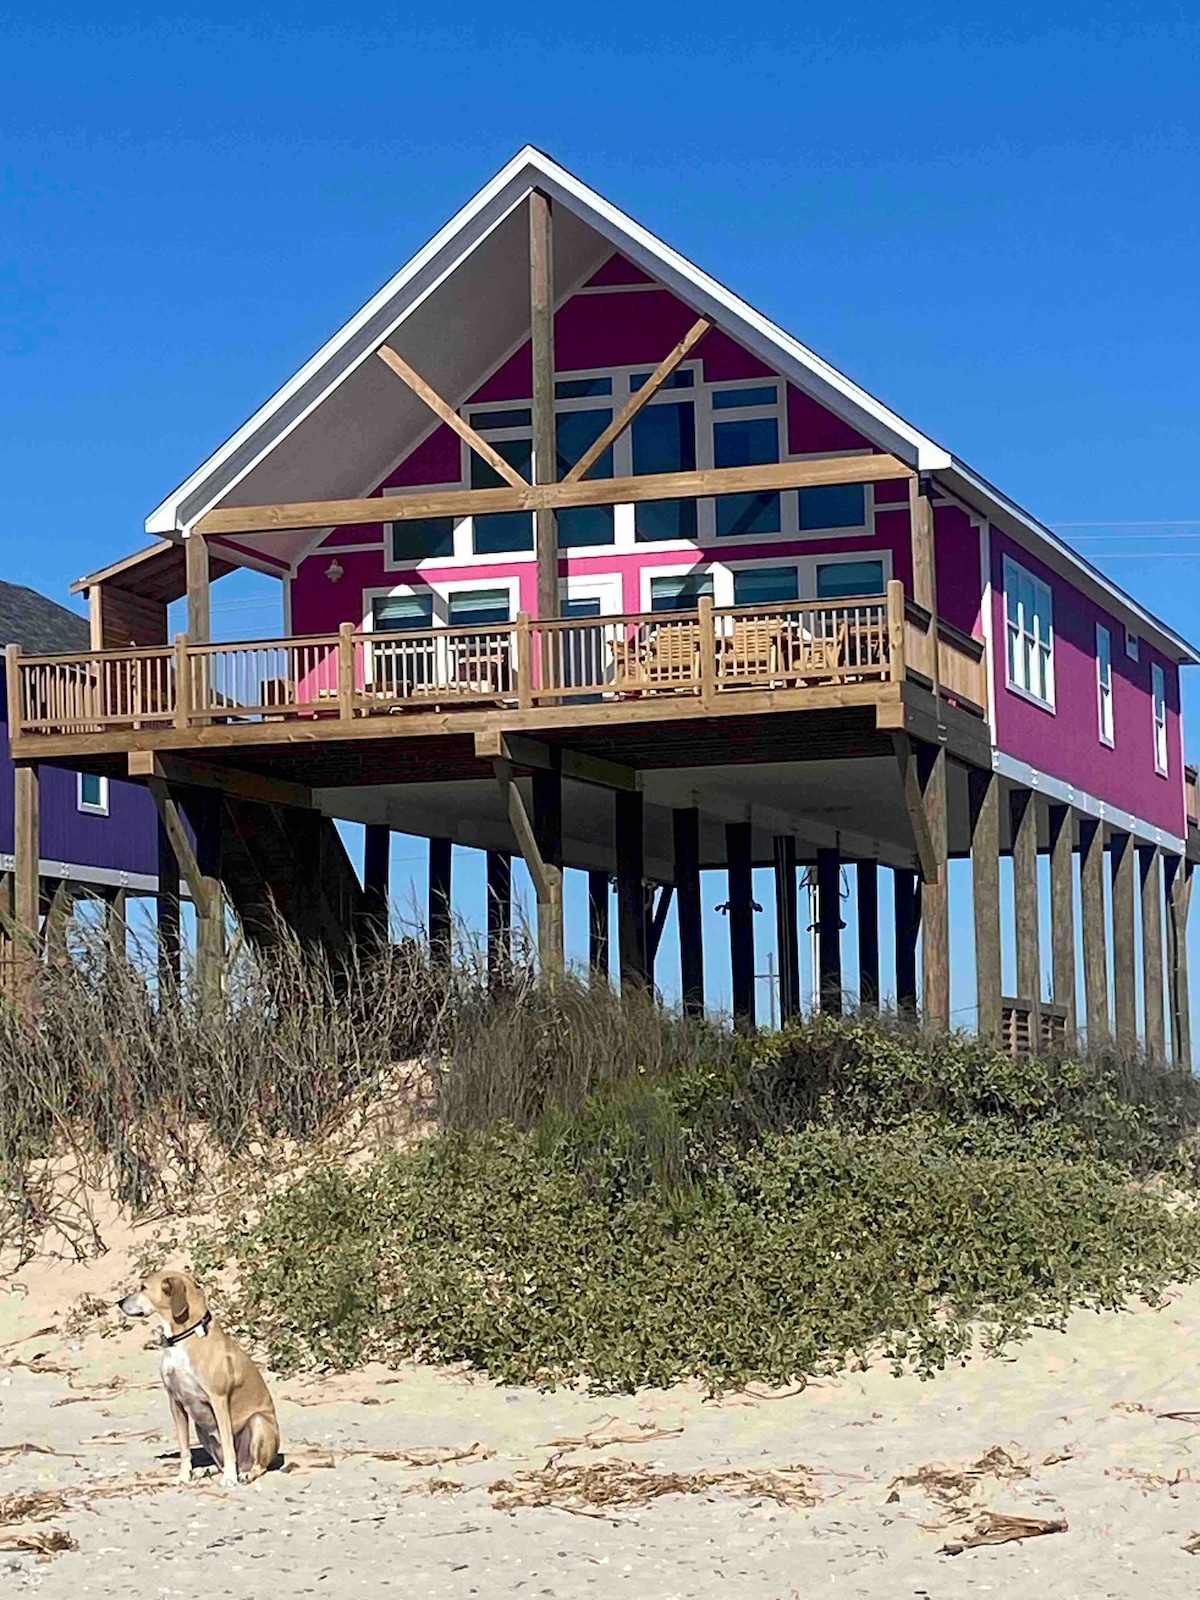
point(1078, 1418)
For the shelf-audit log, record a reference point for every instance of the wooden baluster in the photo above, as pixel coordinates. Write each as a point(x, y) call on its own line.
point(346, 671)
point(708, 650)
point(183, 697)
point(524, 660)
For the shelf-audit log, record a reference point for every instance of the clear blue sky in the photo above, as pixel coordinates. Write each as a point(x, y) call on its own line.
point(986, 215)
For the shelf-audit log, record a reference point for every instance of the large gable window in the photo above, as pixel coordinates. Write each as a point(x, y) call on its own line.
point(575, 430)
point(664, 440)
point(1029, 627)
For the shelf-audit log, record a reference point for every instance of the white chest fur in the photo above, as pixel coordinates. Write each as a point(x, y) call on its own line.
point(184, 1385)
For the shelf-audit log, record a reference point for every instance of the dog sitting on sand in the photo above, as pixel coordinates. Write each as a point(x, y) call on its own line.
point(209, 1379)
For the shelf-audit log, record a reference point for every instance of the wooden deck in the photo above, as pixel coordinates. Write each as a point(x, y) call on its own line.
point(662, 666)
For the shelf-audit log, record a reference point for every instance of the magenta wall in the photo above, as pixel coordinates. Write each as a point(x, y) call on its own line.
point(1065, 743)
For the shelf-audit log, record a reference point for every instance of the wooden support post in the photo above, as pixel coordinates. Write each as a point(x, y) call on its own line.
point(548, 831)
point(935, 895)
point(657, 911)
point(631, 888)
point(1023, 803)
point(169, 946)
point(787, 927)
point(377, 865)
point(499, 915)
point(598, 897)
point(867, 878)
point(984, 800)
point(1095, 952)
point(685, 823)
point(907, 889)
point(924, 564)
point(829, 931)
point(545, 445)
point(1120, 852)
point(1062, 913)
point(741, 921)
point(345, 671)
point(27, 887)
point(547, 878)
point(1179, 894)
point(1150, 873)
point(198, 866)
point(441, 926)
point(199, 609)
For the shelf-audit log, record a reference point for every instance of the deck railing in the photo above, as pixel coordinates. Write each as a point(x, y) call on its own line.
point(703, 653)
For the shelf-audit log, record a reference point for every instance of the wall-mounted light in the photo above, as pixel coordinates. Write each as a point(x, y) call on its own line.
point(334, 571)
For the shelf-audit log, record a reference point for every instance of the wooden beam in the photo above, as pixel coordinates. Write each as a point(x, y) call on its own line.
point(984, 804)
point(685, 833)
point(554, 496)
point(547, 878)
point(491, 744)
point(829, 931)
point(1095, 952)
point(935, 898)
point(545, 442)
point(907, 890)
point(210, 775)
point(1179, 894)
point(867, 881)
point(451, 418)
point(598, 896)
point(1062, 912)
point(546, 794)
point(203, 886)
point(787, 935)
point(658, 921)
point(199, 608)
point(1150, 873)
point(914, 800)
point(441, 921)
point(628, 825)
point(1120, 854)
point(27, 883)
point(58, 917)
point(377, 866)
point(740, 868)
point(1023, 803)
point(169, 946)
point(636, 401)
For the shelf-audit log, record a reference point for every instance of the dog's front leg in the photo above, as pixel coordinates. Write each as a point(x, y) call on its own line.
point(229, 1472)
point(180, 1418)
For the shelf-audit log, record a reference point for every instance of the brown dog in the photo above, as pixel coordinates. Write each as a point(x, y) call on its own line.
point(209, 1379)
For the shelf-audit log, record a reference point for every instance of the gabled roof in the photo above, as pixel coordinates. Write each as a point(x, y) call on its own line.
point(40, 626)
point(269, 457)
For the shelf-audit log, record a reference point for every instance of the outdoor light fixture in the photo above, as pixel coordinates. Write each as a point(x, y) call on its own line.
point(334, 571)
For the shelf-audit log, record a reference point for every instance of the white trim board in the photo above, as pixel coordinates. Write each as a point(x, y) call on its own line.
point(1067, 794)
point(102, 877)
point(529, 169)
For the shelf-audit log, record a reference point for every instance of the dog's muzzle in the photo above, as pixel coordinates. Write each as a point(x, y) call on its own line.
point(133, 1305)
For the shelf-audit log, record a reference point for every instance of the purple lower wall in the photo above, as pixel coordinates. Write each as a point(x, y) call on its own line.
point(126, 840)
point(1065, 742)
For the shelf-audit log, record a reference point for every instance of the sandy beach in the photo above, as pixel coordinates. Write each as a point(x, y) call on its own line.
point(419, 1481)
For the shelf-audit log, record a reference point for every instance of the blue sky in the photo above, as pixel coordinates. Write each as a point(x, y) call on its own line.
point(985, 215)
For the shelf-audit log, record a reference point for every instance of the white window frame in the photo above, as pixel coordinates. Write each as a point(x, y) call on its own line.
point(723, 572)
point(441, 590)
point(100, 808)
point(1158, 708)
point(1014, 574)
point(1133, 645)
point(1105, 705)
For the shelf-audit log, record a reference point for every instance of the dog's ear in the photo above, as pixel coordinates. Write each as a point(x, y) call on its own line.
point(176, 1291)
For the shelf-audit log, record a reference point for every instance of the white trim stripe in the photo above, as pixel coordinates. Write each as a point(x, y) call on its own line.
point(1057, 789)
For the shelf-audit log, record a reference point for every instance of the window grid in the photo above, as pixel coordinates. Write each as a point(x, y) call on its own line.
point(1158, 691)
point(1029, 630)
point(1104, 684)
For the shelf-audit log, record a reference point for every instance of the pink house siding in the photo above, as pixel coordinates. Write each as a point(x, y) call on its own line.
point(1065, 743)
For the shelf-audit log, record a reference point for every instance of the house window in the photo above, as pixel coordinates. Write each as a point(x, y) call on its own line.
point(832, 505)
point(681, 378)
point(396, 613)
point(574, 432)
point(757, 586)
point(664, 440)
point(1158, 690)
point(1132, 645)
point(581, 388)
point(680, 592)
point(501, 531)
point(838, 579)
point(1104, 683)
point(476, 608)
point(91, 794)
point(1030, 633)
point(422, 537)
point(738, 399)
point(746, 442)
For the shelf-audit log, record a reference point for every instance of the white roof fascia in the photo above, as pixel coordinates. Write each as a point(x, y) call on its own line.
point(1045, 543)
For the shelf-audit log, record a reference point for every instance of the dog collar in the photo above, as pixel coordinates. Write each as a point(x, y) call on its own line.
point(200, 1327)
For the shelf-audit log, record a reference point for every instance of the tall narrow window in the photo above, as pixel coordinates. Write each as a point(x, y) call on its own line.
point(746, 442)
point(1030, 633)
point(1158, 690)
point(576, 431)
point(664, 440)
point(1104, 682)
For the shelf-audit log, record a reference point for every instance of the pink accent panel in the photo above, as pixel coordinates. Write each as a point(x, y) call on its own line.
point(959, 571)
point(811, 427)
point(617, 270)
point(1066, 743)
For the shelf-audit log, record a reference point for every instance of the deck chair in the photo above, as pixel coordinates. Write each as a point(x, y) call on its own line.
point(750, 652)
